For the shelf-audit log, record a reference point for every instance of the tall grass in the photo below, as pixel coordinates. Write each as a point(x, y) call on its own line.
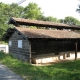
point(61, 71)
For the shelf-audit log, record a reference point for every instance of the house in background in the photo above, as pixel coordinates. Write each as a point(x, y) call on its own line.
point(42, 45)
point(4, 48)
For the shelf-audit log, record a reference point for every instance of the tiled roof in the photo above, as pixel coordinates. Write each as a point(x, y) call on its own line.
point(44, 33)
point(38, 23)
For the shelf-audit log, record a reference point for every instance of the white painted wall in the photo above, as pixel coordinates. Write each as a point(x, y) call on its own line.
point(54, 58)
point(4, 48)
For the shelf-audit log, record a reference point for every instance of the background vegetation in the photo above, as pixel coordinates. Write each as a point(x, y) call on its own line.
point(31, 11)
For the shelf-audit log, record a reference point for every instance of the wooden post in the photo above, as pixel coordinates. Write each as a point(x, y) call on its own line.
point(30, 53)
point(64, 56)
point(76, 51)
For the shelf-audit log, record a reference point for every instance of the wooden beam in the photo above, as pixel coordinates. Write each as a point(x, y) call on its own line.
point(76, 51)
point(30, 53)
point(37, 23)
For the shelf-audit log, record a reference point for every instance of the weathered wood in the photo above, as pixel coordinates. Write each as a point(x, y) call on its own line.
point(37, 23)
point(76, 51)
point(30, 52)
point(64, 56)
point(23, 53)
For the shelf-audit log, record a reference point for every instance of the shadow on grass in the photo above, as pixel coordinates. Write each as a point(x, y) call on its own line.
point(23, 68)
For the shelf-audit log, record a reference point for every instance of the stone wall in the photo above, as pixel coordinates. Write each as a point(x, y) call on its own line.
point(20, 53)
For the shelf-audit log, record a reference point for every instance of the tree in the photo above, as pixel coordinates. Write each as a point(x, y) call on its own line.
point(42, 17)
point(32, 11)
point(7, 11)
point(16, 10)
point(70, 20)
point(78, 9)
point(51, 19)
point(61, 20)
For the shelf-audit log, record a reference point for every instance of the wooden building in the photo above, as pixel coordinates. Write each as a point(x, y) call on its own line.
point(42, 45)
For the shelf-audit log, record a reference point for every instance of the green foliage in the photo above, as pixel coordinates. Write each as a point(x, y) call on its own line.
point(78, 9)
point(61, 20)
point(60, 71)
point(15, 10)
point(70, 20)
point(3, 42)
point(7, 11)
point(51, 19)
point(32, 11)
point(42, 17)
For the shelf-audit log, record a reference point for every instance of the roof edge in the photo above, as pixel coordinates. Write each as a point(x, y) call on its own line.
point(22, 21)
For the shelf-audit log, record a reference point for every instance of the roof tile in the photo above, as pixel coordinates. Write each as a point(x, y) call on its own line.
point(44, 33)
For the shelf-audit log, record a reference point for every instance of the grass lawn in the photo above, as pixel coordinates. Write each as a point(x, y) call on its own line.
point(60, 71)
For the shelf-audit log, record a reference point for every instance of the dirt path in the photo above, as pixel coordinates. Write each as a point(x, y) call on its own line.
point(7, 74)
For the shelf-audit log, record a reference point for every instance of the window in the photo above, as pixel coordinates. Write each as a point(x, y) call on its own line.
point(10, 43)
point(19, 43)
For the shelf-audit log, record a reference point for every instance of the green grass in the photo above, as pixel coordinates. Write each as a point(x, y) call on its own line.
point(61, 71)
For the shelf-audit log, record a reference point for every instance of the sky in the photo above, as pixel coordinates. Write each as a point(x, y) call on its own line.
point(55, 8)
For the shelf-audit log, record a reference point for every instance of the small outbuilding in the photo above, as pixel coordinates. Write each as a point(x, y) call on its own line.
point(42, 45)
point(4, 48)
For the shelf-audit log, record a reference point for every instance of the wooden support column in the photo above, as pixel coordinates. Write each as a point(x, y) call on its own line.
point(64, 56)
point(76, 51)
point(30, 55)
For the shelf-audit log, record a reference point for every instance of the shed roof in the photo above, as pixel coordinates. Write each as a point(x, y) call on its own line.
point(22, 21)
point(43, 33)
